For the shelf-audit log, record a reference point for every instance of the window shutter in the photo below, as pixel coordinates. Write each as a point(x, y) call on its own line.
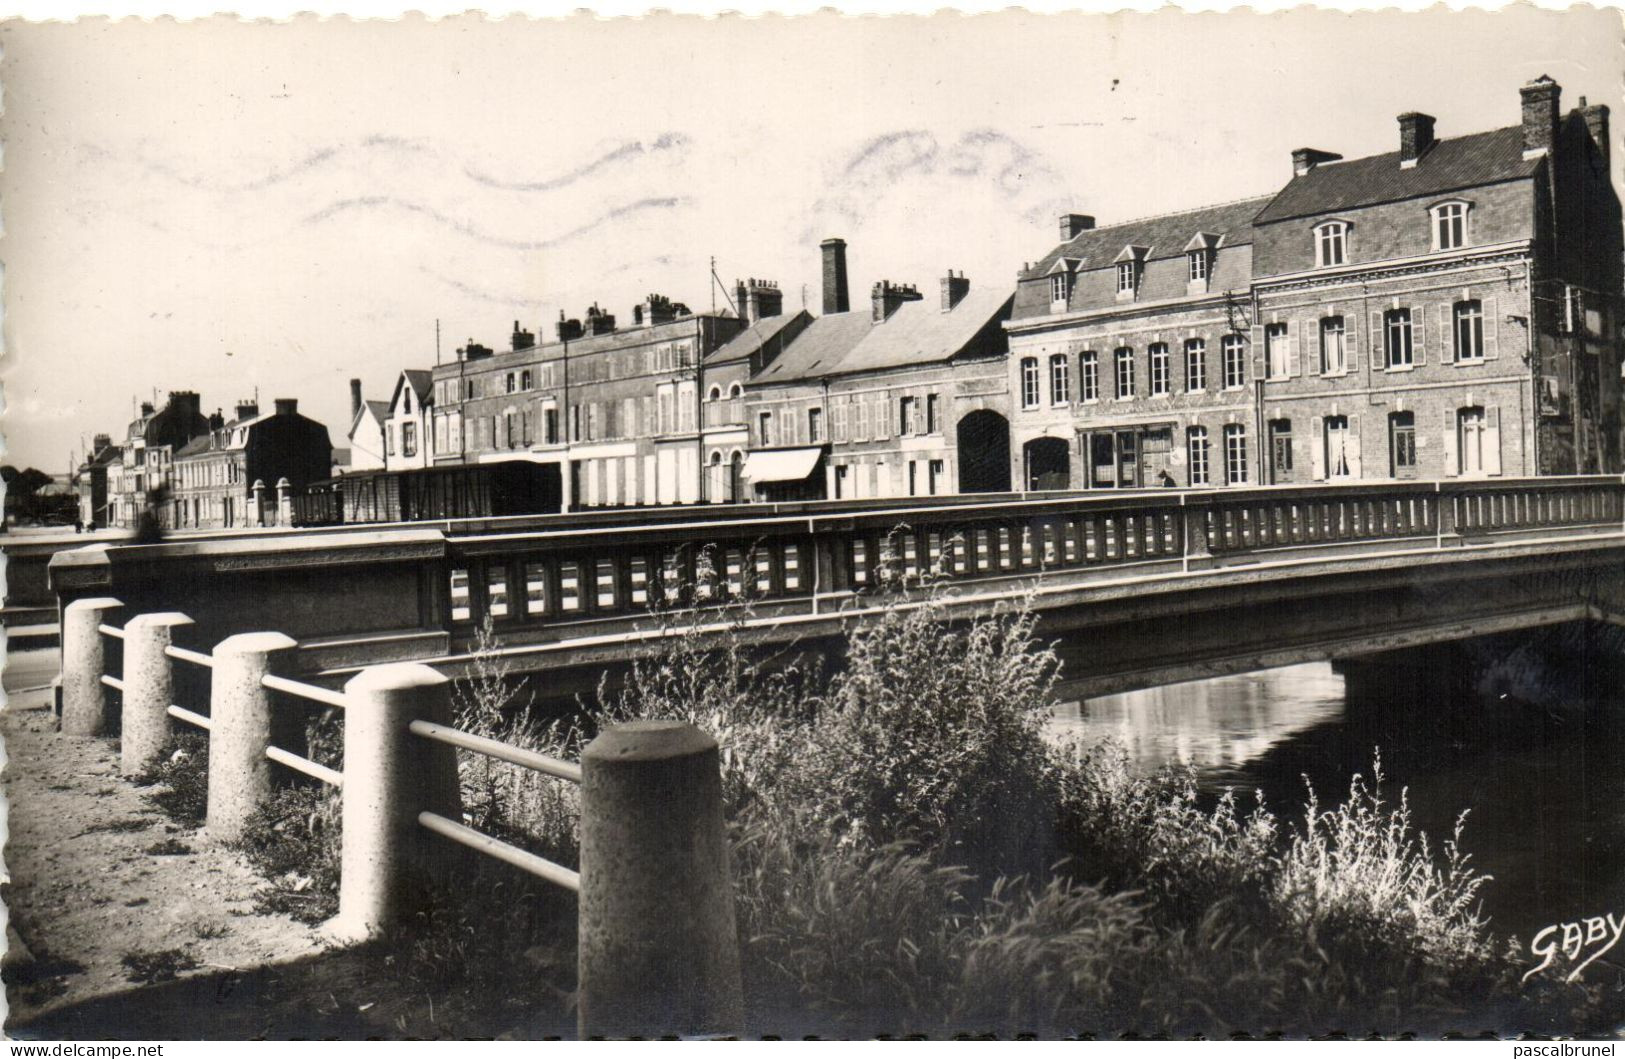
point(1261, 368)
point(1492, 440)
point(1351, 343)
point(1294, 342)
point(1419, 335)
point(1379, 355)
point(1492, 323)
point(1317, 447)
point(1452, 459)
point(1353, 448)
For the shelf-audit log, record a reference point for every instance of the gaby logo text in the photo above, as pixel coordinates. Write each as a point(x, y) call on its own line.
point(1589, 937)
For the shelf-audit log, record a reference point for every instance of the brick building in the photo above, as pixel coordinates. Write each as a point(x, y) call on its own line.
point(1446, 309)
point(243, 471)
point(906, 397)
point(90, 482)
point(146, 465)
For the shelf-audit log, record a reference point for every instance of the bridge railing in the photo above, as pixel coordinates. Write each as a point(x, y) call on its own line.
point(556, 583)
point(399, 794)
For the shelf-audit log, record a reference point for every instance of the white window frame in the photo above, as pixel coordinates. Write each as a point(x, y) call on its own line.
point(1060, 380)
point(1449, 224)
point(1123, 373)
point(1060, 288)
point(1399, 338)
point(1331, 242)
point(1196, 448)
point(1196, 355)
point(1233, 349)
point(1162, 384)
point(1330, 326)
point(1467, 331)
point(1128, 277)
point(1235, 454)
point(1277, 347)
point(1089, 376)
point(1198, 266)
point(1030, 395)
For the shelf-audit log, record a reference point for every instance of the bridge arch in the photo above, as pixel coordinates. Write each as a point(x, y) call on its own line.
point(984, 452)
point(1048, 463)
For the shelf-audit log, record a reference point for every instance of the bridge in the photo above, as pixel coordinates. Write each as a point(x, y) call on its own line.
point(1142, 588)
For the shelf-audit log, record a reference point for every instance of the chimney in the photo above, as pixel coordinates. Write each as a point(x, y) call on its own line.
point(954, 288)
point(286, 406)
point(835, 299)
point(186, 402)
point(474, 351)
point(887, 297)
point(522, 339)
point(1596, 118)
point(216, 420)
point(102, 441)
point(568, 330)
point(1304, 159)
point(1415, 137)
point(247, 410)
point(1074, 224)
point(1540, 102)
point(146, 408)
point(656, 309)
point(598, 321)
point(355, 398)
point(759, 299)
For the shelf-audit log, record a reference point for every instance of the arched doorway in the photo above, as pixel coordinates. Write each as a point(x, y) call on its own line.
point(984, 453)
point(1048, 463)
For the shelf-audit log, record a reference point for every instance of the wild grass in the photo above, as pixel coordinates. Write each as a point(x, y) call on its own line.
point(295, 841)
point(181, 777)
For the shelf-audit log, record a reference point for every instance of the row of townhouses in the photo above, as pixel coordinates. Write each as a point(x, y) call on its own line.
point(186, 470)
point(1449, 308)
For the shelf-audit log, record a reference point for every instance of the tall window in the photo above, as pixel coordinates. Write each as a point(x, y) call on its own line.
point(1060, 286)
point(1281, 445)
point(1337, 442)
point(1470, 439)
point(1402, 444)
point(1397, 339)
point(1160, 382)
point(1197, 264)
point(1060, 379)
point(1124, 360)
point(550, 426)
point(1235, 454)
point(933, 420)
point(511, 382)
point(1450, 226)
point(1195, 365)
point(1469, 331)
point(1276, 351)
point(764, 428)
point(1331, 244)
point(1128, 277)
point(815, 426)
point(1333, 350)
point(1089, 368)
point(1029, 382)
point(1196, 445)
point(1235, 362)
point(907, 409)
point(524, 379)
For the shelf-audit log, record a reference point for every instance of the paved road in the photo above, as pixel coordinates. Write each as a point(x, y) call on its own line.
point(30, 670)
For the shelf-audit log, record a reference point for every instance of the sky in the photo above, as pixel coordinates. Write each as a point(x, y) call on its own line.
point(236, 208)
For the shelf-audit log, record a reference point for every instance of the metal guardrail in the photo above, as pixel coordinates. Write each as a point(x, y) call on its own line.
point(552, 766)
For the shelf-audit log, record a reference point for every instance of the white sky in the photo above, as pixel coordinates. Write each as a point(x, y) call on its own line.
point(218, 206)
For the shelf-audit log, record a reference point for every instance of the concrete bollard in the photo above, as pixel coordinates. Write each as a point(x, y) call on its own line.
point(659, 948)
point(86, 656)
point(244, 725)
point(149, 688)
point(391, 775)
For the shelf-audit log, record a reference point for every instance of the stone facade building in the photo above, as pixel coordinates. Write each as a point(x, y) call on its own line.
point(1447, 309)
point(146, 469)
point(244, 472)
point(90, 482)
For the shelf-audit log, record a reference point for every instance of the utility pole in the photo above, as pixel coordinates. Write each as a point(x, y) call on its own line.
point(437, 341)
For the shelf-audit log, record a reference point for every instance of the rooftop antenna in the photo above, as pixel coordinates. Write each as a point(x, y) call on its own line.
point(715, 284)
point(437, 341)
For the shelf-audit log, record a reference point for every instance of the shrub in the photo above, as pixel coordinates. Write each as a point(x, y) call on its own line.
point(182, 778)
point(295, 841)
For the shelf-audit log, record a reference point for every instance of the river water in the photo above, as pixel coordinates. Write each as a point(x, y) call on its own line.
point(1547, 799)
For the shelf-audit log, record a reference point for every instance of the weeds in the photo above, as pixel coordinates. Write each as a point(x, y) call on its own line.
point(149, 968)
point(169, 847)
point(294, 840)
point(182, 779)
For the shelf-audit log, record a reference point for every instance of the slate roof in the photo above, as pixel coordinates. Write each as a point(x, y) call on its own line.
point(1166, 235)
point(752, 338)
point(921, 333)
point(1449, 165)
point(816, 351)
point(422, 381)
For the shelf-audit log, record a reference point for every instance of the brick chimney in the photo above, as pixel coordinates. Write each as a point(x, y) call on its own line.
point(1073, 224)
point(186, 402)
point(286, 406)
point(655, 309)
point(355, 398)
point(758, 299)
point(522, 339)
point(146, 408)
point(599, 322)
point(247, 410)
point(1596, 119)
point(1540, 110)
point(954, 289)
point(216, 420)
point(1415, 137)
point(474, 351)
point(1304, 159)
point(101, 442)
point(567, 330)
point(835, 297)
point(887, 297)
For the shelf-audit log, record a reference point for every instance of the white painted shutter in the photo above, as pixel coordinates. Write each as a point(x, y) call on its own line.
point(1452, 456)
point(1379, 357)
point(1317, 447)
point(1419, 335)
point(1294, 344)
point(1353, 448)
point(1492, 323)
point(1492, 441)
point(1446, 314)
point(1261, 368)
point(1351, 343)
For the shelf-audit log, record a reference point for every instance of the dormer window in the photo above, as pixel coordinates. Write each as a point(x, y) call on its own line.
point(1331, 244)
point(1199, 253)
point(1197, 263)
point(1449, 225)
point(1060, 283)
point(1128, 277)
